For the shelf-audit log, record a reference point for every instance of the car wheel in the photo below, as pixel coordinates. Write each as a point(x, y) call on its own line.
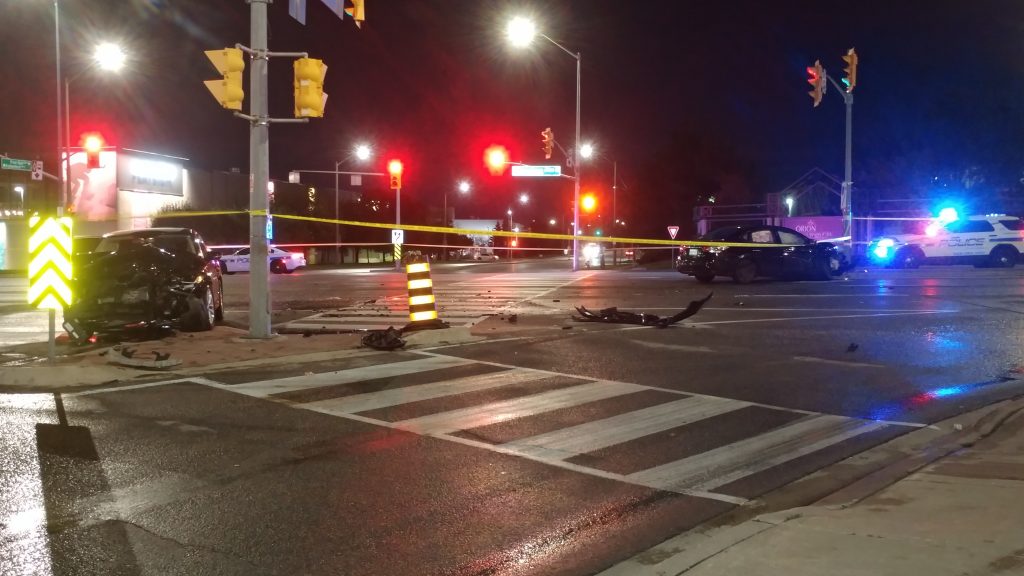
point(705, 278)
point(201, 313)
point(746, 272)
point(277, 267)
point(906, 258)
point(224, 268)
point(825, 267)
point(1003, 257)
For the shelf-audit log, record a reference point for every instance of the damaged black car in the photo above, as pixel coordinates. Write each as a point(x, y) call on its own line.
point(151, 278)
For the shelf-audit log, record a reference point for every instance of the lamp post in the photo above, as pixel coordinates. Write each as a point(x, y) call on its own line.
point(524, 199)
point(362, 152)
point(109, 57)
point(588, 151)
point(463, 187)
point(521, 32)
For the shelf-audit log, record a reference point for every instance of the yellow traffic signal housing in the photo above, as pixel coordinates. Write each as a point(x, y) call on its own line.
point(395, 169)
point(548, 137)
point(228, 91)
point(816, 78)
point(357, 12)
point(850, 81)
point(310, 99)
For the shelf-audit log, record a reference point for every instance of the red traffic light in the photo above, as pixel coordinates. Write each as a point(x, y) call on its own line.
point(496, 158)
point(93, 145)
point(588, 203)
point(395, 167)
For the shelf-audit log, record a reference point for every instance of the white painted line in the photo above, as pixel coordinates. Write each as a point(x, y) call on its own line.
point(676, 347)
point(714, 468)
point(268, 387)
point(750, 309)
point(398, 396)
point(598, 434)
point(836, 362)
point(504, 410)
point(871, 295)
point(828, 317)
point(202, 381)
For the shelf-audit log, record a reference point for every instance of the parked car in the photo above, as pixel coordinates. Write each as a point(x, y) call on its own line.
point(785, 253)
point(281, 261)
point(147, 278)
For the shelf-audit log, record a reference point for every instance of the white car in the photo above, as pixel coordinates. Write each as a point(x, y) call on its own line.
point(281, 261)
point(994, 240)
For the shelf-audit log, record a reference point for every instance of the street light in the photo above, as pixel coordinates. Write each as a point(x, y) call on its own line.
point(362, 152)
point(107, 56)
point(463, 187)
point(789, 205)
point(524, 199)
point(521, 32)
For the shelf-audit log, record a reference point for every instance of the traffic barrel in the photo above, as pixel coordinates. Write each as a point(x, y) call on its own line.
point(422, 310)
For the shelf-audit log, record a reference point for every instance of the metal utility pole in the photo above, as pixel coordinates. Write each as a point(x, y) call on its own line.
point(578, 172)
point(846, 194)
point(259, 165)
point(51, 350)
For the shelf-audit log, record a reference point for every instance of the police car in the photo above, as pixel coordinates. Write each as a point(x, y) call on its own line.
point(994, 240)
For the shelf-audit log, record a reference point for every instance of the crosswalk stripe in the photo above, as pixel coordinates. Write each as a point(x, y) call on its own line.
point(267, 387)
point(388, 398)
point(569, 442)
point(718, 467)
point(494, 412)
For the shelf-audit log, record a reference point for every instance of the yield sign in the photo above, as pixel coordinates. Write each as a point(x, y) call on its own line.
point(672, 231)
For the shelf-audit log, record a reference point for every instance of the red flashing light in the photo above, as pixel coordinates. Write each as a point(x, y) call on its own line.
point(496, 158)
point(395, 167)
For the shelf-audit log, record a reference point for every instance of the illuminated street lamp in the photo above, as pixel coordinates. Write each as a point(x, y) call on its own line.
point(361, 152)
point(109, 57)
point(463, 187)
point(521, 31)
point(587, 150)
point(789, 205)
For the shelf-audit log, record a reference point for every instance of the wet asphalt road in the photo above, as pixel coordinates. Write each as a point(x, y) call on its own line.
point(257, 472)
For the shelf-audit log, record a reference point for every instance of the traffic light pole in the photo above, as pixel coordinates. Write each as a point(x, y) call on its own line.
point(845, 201)
point(259, 167)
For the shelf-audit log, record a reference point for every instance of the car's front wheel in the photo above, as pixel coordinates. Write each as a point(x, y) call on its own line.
point(278, 267)
point(907, 258)
point(1003, 257)
point(201, 313)
point(746, 272)
point(825, 267)
point(704, 278)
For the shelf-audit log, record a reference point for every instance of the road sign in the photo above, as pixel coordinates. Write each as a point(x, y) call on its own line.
point(37, 170)
point(672, 231)
point(16, 164)
point(398, 236)
point(270, 227)
point(49, 266)
point(531, 171)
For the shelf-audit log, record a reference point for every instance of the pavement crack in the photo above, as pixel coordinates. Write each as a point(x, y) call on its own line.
point(189, 545)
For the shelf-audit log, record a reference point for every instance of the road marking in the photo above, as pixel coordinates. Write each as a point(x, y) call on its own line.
point(836, 362)
point(293, 383)
point(495, 412)
point(598, 434)
point(829, 317)
point(395, 397)
point(720, 466)
point(677, 347)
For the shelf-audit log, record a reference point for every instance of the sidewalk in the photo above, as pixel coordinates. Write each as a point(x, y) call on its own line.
point(962, 514)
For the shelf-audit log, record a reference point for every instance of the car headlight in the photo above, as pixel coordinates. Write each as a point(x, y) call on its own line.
point(135, 296)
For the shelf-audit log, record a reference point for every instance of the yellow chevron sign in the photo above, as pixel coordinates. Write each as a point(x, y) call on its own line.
point(49, 267)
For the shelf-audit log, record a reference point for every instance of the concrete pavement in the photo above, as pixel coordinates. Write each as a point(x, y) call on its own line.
point(957, 515)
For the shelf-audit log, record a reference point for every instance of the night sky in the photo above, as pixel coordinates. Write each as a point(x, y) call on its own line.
point(691, 98)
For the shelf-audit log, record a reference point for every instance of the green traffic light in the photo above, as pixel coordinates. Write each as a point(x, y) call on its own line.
point(846, 82)
point(597, 232)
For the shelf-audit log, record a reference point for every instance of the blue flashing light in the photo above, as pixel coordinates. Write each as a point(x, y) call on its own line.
point(948, 214)
point(949, 391)
point(881, 250)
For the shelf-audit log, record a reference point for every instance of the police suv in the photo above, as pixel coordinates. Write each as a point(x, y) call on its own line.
point(994, 240)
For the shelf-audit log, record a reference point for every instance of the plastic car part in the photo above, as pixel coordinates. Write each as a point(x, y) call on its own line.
point(616, 316)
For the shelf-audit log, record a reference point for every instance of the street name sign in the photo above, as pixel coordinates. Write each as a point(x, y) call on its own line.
point(535, 171)
point(16, 164)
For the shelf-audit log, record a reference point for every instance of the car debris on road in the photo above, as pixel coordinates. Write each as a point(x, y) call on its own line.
point(616, 316)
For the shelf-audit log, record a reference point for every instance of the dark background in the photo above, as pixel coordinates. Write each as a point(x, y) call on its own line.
point(692, 98)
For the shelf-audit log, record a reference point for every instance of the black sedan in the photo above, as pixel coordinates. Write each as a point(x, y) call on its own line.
point(147, 278)
point(777, 252)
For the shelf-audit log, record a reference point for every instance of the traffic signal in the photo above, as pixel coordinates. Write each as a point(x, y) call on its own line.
point(496, 158)
point(588, 203)
point(515, 242)
point(357, 12)
point(850, 81)
point(228, 91)
point(310, 99)
point(395, 170)
point(816, 78)
point(93, 145)
point(548, 137)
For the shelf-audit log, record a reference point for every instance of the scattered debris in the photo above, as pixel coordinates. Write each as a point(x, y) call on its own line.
point(556, 300)
point(739, 303)
point(124, 356)
point(513, 319)
point(563, 328)
point(958, 426)
point(615, 316)
point(306, 334)
point(852, 347)
point(389, 339)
